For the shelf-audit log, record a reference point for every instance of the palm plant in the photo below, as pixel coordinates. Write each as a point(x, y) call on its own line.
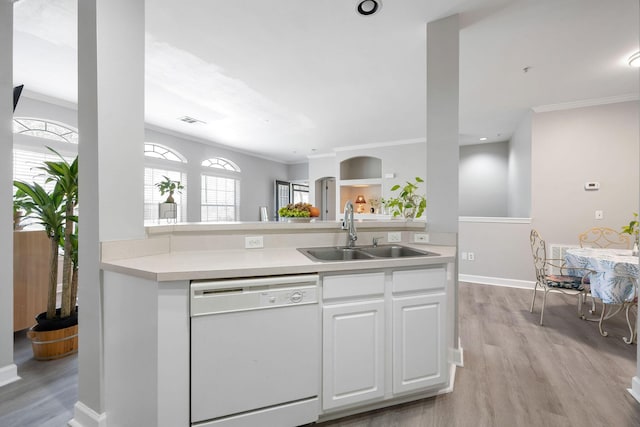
point(54, 210)
point(65, 176)
point(46, 209)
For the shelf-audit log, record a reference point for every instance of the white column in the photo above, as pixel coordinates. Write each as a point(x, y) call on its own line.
point(442, 127)
point(8, 371)
point(443, 151)
point(111, 167)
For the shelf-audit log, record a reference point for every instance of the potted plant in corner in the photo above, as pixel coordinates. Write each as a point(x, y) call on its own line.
point(407, 204)
point(168, 209)
point(55, 334)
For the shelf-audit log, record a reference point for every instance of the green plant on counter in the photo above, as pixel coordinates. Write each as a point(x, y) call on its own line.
point(633, 227)
point(407, 204)
point(298, 210)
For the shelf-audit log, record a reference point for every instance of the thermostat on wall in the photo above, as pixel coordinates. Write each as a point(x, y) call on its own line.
point(591, 185)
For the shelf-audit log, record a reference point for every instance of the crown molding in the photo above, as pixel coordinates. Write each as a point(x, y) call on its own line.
point(382, 144)
point(586, 103)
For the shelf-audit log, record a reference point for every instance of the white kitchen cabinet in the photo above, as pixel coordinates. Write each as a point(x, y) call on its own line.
point(418, 348)
point(419, 314)
point(353, 362)
point(353, 339)
point(399, 314)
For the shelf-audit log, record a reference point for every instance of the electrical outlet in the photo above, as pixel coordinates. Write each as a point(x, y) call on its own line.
point(599, 215)
point(253, 242)
point(394, 237)
point(471, 256)
point(421, 238)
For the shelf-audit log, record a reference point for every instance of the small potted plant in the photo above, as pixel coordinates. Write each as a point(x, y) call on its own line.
point(634, 230)
point(407, 204)
point(168, 209)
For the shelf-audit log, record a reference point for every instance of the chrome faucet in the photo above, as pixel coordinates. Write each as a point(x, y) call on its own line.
point(349, 224)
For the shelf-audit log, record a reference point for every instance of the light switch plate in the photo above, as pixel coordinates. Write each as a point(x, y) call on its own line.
point(394, 237)
point(599, 215)
point(253, 242)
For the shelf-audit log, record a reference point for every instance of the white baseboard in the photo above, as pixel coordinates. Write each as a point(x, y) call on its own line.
point(8, 374)
point(497, 281)
point(83, 416)
point(635, 388)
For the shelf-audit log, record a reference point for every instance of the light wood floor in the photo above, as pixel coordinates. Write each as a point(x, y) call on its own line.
point(516, 373)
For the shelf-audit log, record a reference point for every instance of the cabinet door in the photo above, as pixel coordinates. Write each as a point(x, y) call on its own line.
point(419, 345)
point(353, 353)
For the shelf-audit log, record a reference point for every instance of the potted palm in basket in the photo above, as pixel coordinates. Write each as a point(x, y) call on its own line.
point(55, 334)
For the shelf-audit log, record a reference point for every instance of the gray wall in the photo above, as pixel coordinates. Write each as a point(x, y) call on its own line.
point(298, 172)
point(519, 174)
point(256, 180)
point(568, 147)
point(571, 147)
point(483, 179)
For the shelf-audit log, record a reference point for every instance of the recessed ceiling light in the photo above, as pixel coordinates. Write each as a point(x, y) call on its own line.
point(190, 120)
point(484, 138)
point(368, 7)
point(634, 60)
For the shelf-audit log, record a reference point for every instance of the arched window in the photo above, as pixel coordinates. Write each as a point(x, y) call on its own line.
point(161, 161)
point(161, 152)
point(45, 129)
point(220, 199)
point(220, 163)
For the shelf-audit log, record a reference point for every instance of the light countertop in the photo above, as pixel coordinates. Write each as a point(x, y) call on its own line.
point(218, 264)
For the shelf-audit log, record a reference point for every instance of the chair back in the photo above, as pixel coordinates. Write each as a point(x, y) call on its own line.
point(539, 252)
point(604, 237)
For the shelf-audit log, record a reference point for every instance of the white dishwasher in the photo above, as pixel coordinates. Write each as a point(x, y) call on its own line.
point(255, 351)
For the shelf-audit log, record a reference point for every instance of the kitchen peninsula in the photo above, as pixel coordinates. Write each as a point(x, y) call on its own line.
point(376, 332)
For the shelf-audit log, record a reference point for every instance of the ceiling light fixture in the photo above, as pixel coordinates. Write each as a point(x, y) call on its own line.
point(368, 7)
point(634, 60)
point(484, 138)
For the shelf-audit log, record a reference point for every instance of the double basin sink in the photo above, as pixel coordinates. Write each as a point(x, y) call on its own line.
point(343, 253)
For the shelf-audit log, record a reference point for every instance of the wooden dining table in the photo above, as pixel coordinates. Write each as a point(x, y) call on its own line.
point(613, 280)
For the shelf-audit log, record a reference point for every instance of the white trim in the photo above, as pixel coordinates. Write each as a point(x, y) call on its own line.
point(456, 356)
point(635, 388)
point(586, 103)
point(8, 374)
point(381, 144)
point(497, 281)
point(496, 219)
point(83, 416)
point(318, 156)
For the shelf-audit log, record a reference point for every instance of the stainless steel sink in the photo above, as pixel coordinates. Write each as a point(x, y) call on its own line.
point(394, 251)
point(325, 254)
point(335, 254)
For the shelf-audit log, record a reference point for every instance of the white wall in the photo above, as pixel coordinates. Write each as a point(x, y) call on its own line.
point(571, 147)
point(519, 175)
point(483, 179)
point(8, 372)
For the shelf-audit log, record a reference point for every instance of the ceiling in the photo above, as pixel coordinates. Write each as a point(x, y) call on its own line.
point(285, 79)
